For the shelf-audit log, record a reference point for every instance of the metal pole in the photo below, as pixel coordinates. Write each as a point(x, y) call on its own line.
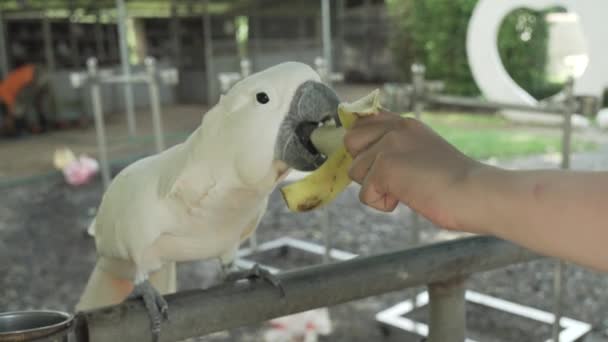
point(558, 274)
point(447, 311)
point(327, 48)
point(121, 18)
point(199, 312)
point(210, 70)
point(326, 223)
point(99, 122)
point(418, 71)
point(567, 127)
point(3, 55)
point(159, 137)
point(48, 43)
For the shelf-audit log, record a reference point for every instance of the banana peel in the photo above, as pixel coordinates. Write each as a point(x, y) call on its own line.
point(322, 186)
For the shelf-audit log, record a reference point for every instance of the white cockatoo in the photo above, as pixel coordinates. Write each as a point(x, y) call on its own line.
point(201, 199)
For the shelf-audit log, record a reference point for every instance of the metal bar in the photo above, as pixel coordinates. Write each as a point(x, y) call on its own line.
point(326, 226)
point(199, 312)
point(126, 65)
point(418, 82)
point(48, 43)
point(157, 122)
point(489, 105)
point(209, 67)
point(3, 53)
point(327, 47)
point(99, 122)
point(560, 266)
point(567, 112)
point(447, 311)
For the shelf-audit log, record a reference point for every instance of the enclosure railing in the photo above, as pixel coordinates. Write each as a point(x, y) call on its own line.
point(443, 266)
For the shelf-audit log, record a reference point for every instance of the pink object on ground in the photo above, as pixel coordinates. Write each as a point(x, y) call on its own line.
point(81, 170)
point(301, 327)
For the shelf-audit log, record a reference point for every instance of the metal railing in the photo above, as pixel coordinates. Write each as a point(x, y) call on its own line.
point(151, 76)
point(443, 266)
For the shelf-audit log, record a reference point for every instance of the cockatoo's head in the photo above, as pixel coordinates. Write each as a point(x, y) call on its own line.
point(272, 114)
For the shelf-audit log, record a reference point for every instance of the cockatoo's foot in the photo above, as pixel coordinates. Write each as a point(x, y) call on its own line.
point(157, 307)
point(256, 272)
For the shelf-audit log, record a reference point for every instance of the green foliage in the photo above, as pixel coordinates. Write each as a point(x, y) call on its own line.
point(433, 32)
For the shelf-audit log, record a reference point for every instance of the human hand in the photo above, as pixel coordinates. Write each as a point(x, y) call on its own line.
point(402, 160)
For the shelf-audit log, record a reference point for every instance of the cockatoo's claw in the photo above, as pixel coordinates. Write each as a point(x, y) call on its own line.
point(254, 273)
point(155, 304)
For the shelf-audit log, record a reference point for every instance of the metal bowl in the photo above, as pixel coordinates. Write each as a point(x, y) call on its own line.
point(32, 325)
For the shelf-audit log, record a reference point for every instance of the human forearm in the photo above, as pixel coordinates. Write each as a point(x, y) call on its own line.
point(557, 213)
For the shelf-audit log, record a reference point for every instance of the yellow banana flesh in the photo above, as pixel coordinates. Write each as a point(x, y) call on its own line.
point(322, 186)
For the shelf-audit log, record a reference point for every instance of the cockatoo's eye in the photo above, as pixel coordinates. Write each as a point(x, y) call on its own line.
point(262, 98)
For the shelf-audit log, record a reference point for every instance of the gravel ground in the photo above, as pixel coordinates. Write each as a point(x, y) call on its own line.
point(45, 260)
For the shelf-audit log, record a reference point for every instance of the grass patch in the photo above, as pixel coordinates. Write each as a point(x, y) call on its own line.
point(492, 136)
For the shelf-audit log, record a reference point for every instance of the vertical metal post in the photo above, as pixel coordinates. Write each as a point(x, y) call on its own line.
point(99, 122)
point(48, 42)
point(209, 67)
point(245, 67)
point(418, 80)
point(3, 55)
point(326, 27)
point(159, 137)
point(321, 68)
point(418, 71)
point(326, 223)
point(447, 311)
point(558, 273)
point(121, 18)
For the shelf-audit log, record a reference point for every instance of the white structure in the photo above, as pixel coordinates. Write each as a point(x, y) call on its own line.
point(395, 316)
point(491, 76)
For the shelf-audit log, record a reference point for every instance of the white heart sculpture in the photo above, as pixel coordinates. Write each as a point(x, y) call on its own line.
point(491, 76)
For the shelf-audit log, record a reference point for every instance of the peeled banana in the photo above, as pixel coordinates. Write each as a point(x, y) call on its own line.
point(324, 184)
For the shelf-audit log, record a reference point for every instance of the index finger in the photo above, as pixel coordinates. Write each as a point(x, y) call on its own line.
point(368, 130)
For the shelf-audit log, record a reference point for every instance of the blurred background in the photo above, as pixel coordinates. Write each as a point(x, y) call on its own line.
point(50, 172)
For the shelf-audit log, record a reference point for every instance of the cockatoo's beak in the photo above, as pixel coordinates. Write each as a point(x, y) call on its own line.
point(314, 103)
